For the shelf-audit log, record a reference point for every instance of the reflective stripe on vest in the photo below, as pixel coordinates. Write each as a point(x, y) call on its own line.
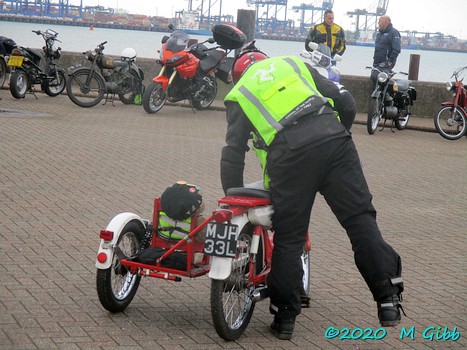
point(275, 93)
point(174, 229)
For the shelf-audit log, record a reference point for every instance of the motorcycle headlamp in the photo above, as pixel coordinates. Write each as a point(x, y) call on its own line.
point(449, 86)
point(383, 77)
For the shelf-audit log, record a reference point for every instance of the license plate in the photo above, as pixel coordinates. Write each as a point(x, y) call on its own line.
point(221, 240)
point(15, 61)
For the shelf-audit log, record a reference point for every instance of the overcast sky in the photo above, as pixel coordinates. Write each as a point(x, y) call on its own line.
point(446, 16)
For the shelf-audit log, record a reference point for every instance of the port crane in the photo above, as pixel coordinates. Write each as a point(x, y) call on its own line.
point(48, 8)
point(370, 18)
point(317, 14)
point(271, 16)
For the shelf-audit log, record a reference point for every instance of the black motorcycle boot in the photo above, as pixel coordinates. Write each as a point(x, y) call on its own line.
point(389, 311)
point(282, 328)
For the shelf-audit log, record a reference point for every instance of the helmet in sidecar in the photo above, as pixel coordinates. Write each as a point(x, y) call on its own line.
point(128, 54)
point(243, 61)
point(181, 200)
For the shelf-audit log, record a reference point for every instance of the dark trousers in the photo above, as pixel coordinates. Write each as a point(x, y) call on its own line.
point(334, 170)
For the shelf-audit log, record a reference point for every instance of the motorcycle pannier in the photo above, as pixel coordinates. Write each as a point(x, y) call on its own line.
point(223, 72)
point(228, 36)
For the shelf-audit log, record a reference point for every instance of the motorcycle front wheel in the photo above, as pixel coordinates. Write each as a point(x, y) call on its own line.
point(232, 301)
point(55, 86)
point(154, 97)
point(374, 115)
point(116, 286)
point(18, 83)
point(85, 88)
point(206, 94)
point(451, 122)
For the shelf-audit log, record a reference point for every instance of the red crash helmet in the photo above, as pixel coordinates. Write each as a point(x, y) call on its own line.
point(245, 60)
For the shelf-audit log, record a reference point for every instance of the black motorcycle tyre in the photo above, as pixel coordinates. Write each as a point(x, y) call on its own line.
point(131, 87)
point(51, 88)
point(3, 71)
point(461, 118)
point(116, 286)
point(154, 97)
point(402, 120)
point(374, 115)
point(19, 83)
point(74, 81)
point(208, 95)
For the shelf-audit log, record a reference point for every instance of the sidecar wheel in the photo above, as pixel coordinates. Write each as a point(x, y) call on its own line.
point(116, 286)
point(451, 122)
point(232, 302)
point(154, 97)
point(374, 116)
point(3, 71)
point(18, 83)
point(208, 95)
point(55, 86)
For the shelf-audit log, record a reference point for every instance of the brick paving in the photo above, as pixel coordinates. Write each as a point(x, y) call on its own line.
point(66, 171)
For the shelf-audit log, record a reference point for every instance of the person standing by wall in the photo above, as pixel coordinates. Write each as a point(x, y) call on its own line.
point(327, 33)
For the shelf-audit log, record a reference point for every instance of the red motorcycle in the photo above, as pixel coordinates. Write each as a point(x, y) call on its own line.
point(190, 72)
point(451, 117)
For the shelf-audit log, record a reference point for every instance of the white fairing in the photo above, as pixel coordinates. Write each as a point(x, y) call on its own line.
point(221, 267)
point(116, 225)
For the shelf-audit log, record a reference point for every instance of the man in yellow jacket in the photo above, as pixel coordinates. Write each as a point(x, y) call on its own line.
point(328, 33)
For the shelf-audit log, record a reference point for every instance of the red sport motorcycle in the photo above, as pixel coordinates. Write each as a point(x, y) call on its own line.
point(190, 72)
point(451, 117)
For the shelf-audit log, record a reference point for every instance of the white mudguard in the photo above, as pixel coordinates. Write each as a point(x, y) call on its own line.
point(116, 225)
point(221, 267)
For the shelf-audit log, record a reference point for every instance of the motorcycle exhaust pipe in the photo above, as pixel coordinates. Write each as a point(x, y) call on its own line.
point(260, 294)
point(390, 112)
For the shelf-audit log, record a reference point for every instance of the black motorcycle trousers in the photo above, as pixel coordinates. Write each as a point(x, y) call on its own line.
point(333, 169)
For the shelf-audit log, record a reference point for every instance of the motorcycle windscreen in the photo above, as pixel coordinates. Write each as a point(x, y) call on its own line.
point(178, 41)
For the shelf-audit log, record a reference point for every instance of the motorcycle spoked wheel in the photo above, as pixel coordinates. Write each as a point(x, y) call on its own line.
point(450, 122)
point(116, 286)
point(18, 83)
point(55, 87)
point(82, 94)
point(374, 115)
point(207, 95)
point(131, 87)
point(404, 115)
point(154, 97)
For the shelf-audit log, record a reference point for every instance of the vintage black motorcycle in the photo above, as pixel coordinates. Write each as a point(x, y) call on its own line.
point(86, 86)
point(30, 66)
point(392, 99)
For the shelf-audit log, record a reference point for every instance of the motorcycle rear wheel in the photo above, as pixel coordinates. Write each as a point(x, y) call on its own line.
point(374, 115)
point(404, 115)
point(55, 86)
point(19, 83)
point(82, 94)
point(451, 122)
point(207, 95)
point(116, 286)
point(154, 97)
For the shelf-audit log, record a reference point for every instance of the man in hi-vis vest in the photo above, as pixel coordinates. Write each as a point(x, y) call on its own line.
point(297, 118)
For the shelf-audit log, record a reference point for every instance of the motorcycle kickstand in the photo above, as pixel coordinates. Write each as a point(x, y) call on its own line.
point(191, 106)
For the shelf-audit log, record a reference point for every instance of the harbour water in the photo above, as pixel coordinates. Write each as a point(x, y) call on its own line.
point(435, 66)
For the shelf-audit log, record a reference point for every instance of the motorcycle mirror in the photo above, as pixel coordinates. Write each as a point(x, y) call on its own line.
point(306, 54)
point(171, 26)
point(313, 46)
point(337, 57)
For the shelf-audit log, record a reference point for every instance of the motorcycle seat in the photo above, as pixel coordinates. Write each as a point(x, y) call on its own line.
point(211, 61)
point(35, 53)
point(403, 84)
point(248, 192)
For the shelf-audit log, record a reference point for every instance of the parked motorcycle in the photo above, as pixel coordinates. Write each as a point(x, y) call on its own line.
point(451, 117)
point(30, 67)
point(391, 99)
point(6, 46)
point(86, 86)
point(320, 57)
point(189, 73)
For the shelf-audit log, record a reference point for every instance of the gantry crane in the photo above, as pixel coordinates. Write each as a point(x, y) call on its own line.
point(317, 12)
point(57, 8)
point(370, 22)
point(269, 14)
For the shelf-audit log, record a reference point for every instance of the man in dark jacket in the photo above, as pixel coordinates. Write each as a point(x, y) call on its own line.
point(387, 45)
point(287, 105)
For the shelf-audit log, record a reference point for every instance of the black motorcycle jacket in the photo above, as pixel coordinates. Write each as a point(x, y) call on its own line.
point(387, 46)
point(310, 130)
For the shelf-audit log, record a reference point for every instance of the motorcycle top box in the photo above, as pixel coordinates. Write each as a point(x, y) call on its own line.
point(228, 36)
